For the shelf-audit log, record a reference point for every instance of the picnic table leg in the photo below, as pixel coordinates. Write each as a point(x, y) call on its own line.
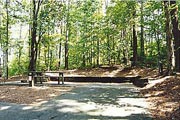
point(62, 79)
point(31, 80)
point(59, 79)
point(40, 80)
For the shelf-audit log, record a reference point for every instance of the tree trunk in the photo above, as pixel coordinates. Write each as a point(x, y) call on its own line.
point(33, 42)
point(51, 57)
point(160, 65)
point(6, 42)
point(176, 34)
point(48, 57)
point(84, 56)
point(1, 47)
point(59, 62)
point(60, 45)
point(20, 49)
point(98, 51)
point(108, 49)
point(33, 39)
point(67, 38)
point(48, 50)
point(142, 33)
point(134, 61)
point(169, 39)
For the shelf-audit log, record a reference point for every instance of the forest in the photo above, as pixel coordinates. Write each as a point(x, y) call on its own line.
point(126, 51)
point(69, 34)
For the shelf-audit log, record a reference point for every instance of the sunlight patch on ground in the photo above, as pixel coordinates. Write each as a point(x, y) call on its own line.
point(154, 82)
point(39, 103)
point(134, 102)
point(114, 72)
point(39, 99)
point(4, 108)
point(27, 108)
point(126, 107)
point(170, 105)
point(2, 97)
point(158, 93)
point(39, 87)
point(75, 106)
point(52, 95)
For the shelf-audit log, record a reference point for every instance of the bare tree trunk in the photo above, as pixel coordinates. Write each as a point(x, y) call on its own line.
point(34, 45)
point(176, 34)
point(0, 46)
point(84, 46)
point(60, 45)
point(134, 43)
point(7, 41)
point(142, 33)
point(67, 38)
point(168, 38)
point(59, 62)
point(50, 62)
point(33, 42)
point(108, 49)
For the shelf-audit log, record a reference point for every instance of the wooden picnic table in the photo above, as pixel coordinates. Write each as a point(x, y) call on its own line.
point(47, 74)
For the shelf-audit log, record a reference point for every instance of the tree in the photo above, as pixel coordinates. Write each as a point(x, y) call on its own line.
point(6, 41)
point(67, 36)
point(168, 38)
point(134, 39)
point(86, 33)
point(142, 32)
point(176, 33)
point(33, 41)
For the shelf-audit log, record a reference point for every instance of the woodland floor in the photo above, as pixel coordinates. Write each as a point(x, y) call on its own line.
point(165, 98)
point(27, 95)
point(165, 94)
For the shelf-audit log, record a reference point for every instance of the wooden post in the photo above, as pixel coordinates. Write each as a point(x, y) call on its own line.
point(62, 79)
point(31, 80)
point(59, 79)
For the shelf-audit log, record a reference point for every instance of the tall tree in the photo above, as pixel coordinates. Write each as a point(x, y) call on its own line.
point(7, 40)
point(67, 36)
point(168, 38)
point(134, 39)
point(33, 42)
point(142, 32)
point(176, 33)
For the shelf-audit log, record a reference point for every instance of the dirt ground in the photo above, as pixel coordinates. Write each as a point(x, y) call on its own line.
point(115, 71)
point(27, 95)
point(165, 95)
point(87, 101)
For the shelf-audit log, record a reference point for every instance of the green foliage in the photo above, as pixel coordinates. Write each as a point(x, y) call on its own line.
point(16, 68)
point(97, 32)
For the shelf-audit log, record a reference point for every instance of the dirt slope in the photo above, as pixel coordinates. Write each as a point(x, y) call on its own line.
point(165, 97)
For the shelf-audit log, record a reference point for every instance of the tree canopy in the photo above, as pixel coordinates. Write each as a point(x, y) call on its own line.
point(67, 34)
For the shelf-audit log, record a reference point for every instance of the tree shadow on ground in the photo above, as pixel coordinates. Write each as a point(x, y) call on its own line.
point(82, 103)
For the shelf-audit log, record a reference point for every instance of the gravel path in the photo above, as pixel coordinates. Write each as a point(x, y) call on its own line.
point(88, 101)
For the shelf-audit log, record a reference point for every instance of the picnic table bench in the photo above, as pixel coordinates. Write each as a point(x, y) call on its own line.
point(46, 74)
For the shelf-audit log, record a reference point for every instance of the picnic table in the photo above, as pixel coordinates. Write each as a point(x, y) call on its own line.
point(33, 75)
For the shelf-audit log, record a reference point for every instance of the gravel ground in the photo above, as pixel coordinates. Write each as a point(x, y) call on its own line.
point(88, 101)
